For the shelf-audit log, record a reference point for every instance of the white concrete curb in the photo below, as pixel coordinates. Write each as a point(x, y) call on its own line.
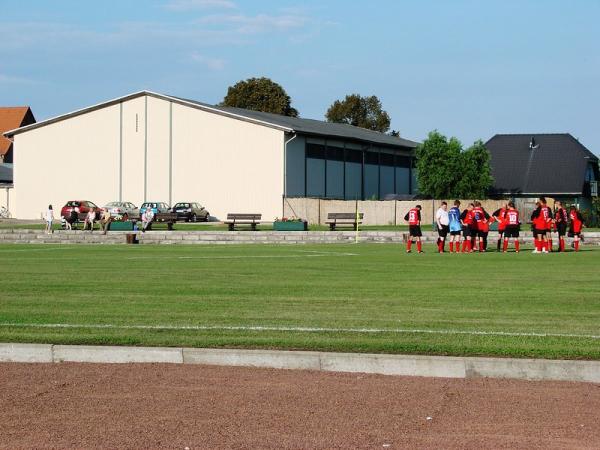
point(407, 365)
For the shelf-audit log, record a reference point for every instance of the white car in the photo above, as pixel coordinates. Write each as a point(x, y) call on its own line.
point(120, 208)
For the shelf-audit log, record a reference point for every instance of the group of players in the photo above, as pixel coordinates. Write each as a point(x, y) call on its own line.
point(468, 229)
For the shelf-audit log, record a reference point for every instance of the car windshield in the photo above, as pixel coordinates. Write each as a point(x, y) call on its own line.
point(151, 205)
point(182, 205)
point(91, 205)
point(112, 204)
point(72, 204)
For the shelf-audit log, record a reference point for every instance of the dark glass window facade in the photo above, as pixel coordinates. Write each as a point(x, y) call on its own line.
point(337, 171)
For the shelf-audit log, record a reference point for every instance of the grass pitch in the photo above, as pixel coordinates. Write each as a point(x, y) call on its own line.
point(343, 297)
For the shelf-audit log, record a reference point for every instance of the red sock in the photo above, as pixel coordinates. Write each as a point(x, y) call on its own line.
point(549, 245)
point(469, 245)
point(545, 245)
point(408, 245)
point(538, 245)
point(576, 246)
point(451, 247)
point(517, 244)
point(419, 246)
point(505, 245)
point(480, 245)
point(439, 245)
point(464, 246)
point(561, 244)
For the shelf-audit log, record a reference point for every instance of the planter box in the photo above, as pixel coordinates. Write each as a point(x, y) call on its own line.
point(290, 226)
point(121, 226)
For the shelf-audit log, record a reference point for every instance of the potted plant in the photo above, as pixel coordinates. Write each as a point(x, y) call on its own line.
point(290, 224)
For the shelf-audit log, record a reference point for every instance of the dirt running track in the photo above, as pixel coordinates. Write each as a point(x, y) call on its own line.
point(178, 406)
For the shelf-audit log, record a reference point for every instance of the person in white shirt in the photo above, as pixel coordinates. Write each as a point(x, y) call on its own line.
point(442, 221)
point(90, 218)
point(49, 219)
point(147, 218)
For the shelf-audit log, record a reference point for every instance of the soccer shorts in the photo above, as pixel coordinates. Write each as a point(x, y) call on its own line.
point(573, 233)
point(561, 228)
point(455, 233)
point(466, 232)
point(443, 232)
point(415, 230)
point(539, 233)
point(511, 231)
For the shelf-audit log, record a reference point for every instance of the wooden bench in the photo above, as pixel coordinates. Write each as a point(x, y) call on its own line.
point(169, 218)
point(234, 219)
point(344, 219)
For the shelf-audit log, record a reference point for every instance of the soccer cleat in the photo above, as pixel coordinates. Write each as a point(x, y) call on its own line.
point(408, 251)
point(536, 251)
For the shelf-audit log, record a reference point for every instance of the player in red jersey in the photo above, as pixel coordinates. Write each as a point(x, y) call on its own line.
point(466, 218)
point(413, 217)
point(575, 226)
point(512, 227)
point(500, 215)
point(540, 220)
point(481, 226)
point(561, 219)
point(547, 213)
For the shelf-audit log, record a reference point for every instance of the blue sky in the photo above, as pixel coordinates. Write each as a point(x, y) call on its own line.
point(467, 68)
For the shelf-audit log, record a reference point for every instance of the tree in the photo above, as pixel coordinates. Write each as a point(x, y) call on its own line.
point(437, 166)
point(476, 179)
point(364, 112)
point(260, 94)
point(446, 171)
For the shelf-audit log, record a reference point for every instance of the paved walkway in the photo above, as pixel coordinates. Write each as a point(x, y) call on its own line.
point(74, 405)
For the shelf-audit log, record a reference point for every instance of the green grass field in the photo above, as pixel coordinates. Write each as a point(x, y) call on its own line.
point(344, 297)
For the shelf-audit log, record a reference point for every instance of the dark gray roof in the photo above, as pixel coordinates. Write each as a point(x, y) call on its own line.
point(284, 123)
point(6, 173)
point(316, 127)
point(556, 166)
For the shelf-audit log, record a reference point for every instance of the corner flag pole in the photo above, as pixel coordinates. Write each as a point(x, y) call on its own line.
point(356, 218)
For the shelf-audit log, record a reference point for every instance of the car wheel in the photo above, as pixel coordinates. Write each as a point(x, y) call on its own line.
point(207, 216)
point(194, 218)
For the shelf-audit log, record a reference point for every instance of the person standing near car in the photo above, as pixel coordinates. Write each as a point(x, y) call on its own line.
point(49, 216)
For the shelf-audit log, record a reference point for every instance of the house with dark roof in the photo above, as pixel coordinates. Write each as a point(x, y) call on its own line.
point(154, 147)
point(551, 165)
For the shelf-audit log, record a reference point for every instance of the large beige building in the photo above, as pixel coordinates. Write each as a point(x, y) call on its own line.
point(152, 147)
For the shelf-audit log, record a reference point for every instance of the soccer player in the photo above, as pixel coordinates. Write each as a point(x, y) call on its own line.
point(540, 220)
point(512, 227)
point(500, 215)
point(547, 213)
point(481, 226)
point(413, 217)
point(442, 221)
point(575, 226)
point(561, 219)
point(455, 226)
point(466, 219)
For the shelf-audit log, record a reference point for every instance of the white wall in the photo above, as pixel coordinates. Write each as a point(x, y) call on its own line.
point(228, 165)
point(6, 198)
point(67, 160)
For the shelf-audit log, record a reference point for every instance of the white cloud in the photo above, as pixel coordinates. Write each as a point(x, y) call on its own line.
point(211, 63)
point(188, 5)
point(9, 79)
point(260, 23)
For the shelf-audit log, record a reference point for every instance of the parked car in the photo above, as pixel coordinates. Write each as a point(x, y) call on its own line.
point(83, 206)
point(119, 208)
point(157, 207)
point(190, 212)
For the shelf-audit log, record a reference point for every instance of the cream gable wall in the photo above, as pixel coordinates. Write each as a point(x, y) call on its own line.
point(75, 159)
point(228, 165)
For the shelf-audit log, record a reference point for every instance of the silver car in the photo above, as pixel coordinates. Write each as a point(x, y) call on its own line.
point(117, 209)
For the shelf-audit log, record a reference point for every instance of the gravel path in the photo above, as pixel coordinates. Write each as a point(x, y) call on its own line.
point(177, 406)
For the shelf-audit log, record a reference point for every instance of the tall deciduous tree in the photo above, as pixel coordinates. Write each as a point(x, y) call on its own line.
point(260, 94)
point(364, 112)
point(446, 171)
point(437, 167)
point(476, 179)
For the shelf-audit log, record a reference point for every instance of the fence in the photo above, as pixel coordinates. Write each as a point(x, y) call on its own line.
point(382, 212)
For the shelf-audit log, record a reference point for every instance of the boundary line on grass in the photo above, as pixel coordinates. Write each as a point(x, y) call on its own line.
point(298, 329)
